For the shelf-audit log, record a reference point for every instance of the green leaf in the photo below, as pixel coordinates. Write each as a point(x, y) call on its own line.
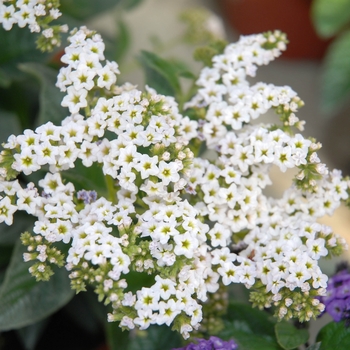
point(90, 178)
point(2, 276)
point(247, 340)
point(5, 80)
point(26, 91)
point(155, 338)
point(83, 9)
point(334, 335)
point(336, 73)
point(5, 255)
point(9, 125)
point(251, 328)
point(81, 310)
point(18, 47)
point(130, 4)
point(182, 69)
point(258, 321)
point(116, 338)
point(316, 346)
point(290, 337)
point(122, 41)
point(160, 74)
point(30, 335)
point(10, 234)
point(330, 16)
point(50, 96)
point(23, 301)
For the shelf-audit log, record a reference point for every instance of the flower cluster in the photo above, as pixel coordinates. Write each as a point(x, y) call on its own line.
point(37, 15)
point(84, 75)
point(337, 298)
point(139, 141)
point(213, 343)
point(279, 241)
point(191, 224)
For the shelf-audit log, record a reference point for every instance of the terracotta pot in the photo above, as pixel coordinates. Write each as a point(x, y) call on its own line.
point(290, 16)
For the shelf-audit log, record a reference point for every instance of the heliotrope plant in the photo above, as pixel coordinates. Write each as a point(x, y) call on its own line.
point(192, 224)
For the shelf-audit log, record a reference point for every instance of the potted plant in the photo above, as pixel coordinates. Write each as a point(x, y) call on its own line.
point(119, 203)
point(291, 17)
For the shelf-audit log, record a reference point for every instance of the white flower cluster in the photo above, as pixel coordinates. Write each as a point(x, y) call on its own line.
point(229, 191)
point(25, 12)
point(169, 214)
point(84, 72)
point(36, 14)
point(144, 155)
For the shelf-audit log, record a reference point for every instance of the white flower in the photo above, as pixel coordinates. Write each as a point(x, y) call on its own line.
point(129, 299)
point(316, 248)
point(264, 152)
point(283, 157)
point(120, 261)
point(185, 245)
point(274, 285)
point(82, 79)
point(145, 318)
point(88, 153)
point(55, 13)
point(222, 256)
point(167, 312)
point(67, 154)
point(106, 77)
point(229, 273)
point(127, 322)
point(314, 158)
point(25, 15)
point(319, 280)
point(10, 187)
point(75, 99)
point(7, 210)
point(166, 287)
point(219, 235)
point(39, 10)
point(243, 157)
point(7, 18)
point(298, 274)
point(247, 274)
point(48, 33)
point(168, 172)
point(185, 330)
point(26, 161)
point(28, 200)
point(147, 299)
point(61, 230)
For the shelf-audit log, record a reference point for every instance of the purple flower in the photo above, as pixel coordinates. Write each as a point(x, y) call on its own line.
point(336, 308)
point(87, 196)
point(347, 303)
point(213, 343)
point(220, 344)
point(340, 278)
point(343, 291)
point(337, 300)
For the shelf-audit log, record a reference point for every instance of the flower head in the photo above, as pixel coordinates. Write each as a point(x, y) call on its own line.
point(213, 343)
